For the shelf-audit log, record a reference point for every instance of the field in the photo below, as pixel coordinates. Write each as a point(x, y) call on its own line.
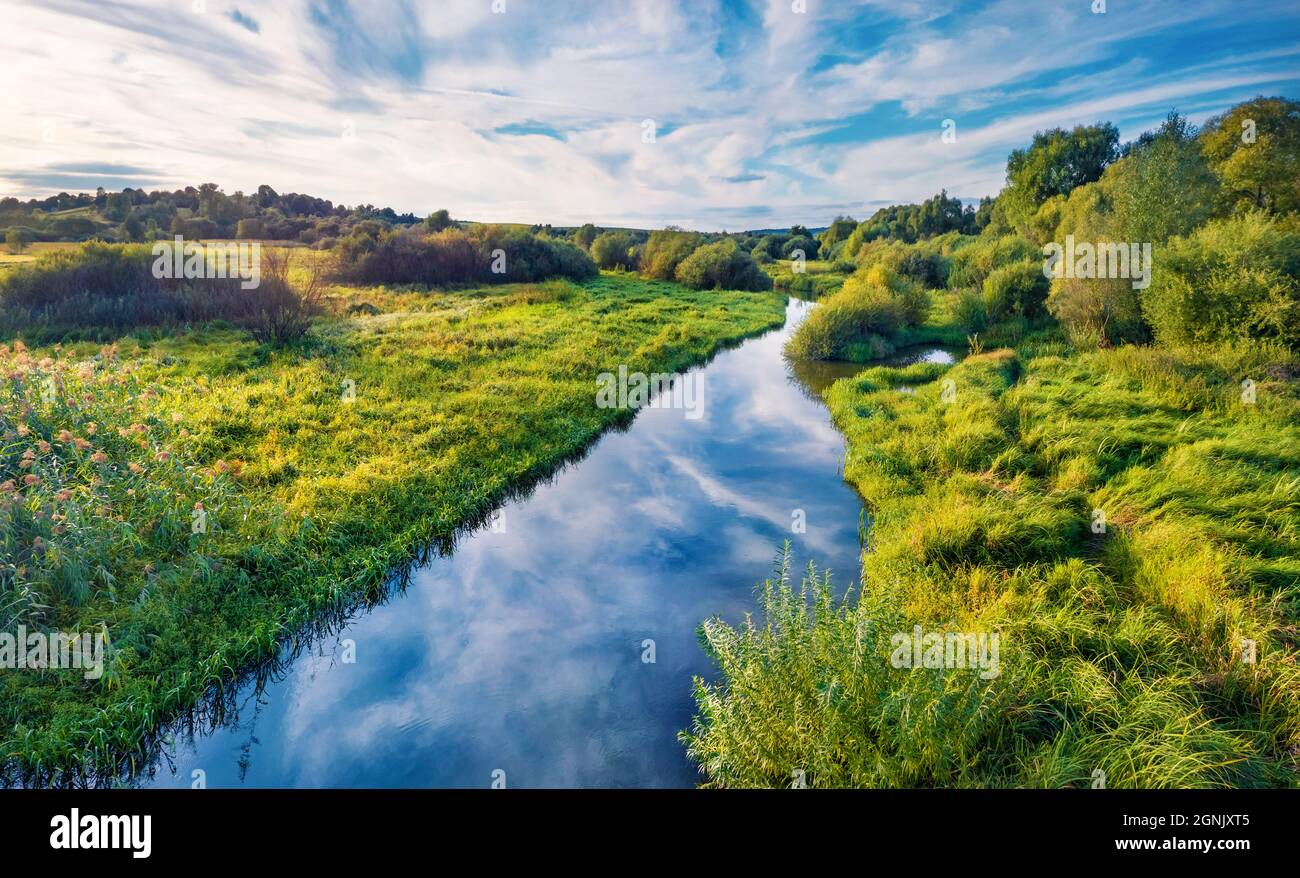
point(30, 252)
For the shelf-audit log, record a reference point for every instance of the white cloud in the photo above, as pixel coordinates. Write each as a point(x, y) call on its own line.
point(189, 98)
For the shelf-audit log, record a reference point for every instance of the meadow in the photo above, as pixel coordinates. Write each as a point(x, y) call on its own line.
point(204, 496)
point(1121, 651)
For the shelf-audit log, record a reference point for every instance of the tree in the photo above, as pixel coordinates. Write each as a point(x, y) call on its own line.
point(16, 239)
point(722, 266)
point(1162, 187)
point(132, 229)
point(613, 250)
point(438, 220)
point(250, 230)
point(665, 250)
point(839, 229)
point(584, 235)
point(1254, 148)
point(1055, 163)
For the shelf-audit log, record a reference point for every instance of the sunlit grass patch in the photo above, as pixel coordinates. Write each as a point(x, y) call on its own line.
point(1156, 651)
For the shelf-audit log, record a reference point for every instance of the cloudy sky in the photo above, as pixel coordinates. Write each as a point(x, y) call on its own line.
point(706, 113)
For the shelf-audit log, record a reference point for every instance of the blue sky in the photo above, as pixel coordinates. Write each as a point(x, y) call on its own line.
point(540, 111)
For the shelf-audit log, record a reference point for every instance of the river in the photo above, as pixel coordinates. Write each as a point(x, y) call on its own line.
point(557, 647)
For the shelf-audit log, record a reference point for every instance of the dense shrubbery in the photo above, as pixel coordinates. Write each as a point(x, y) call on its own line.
point(614, 250)
point(805, 244)
point(857, 322)
point(918, 262)
point(100, 289)
point(1235, 279)
point(1015, 290)
point(665, 250)
point(968, 310)
point(485, 254)
point(722, 266)
point(971, 264)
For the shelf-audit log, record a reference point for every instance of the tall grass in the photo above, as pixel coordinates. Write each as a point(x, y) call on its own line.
point(861, 321)
point(1121, 652)
point(102, 290)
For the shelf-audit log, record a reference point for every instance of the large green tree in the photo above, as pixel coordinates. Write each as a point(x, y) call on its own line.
point(1056, 163)
point(1254, 148)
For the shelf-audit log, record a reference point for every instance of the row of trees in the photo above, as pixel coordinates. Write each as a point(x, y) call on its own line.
point(134, 215)
point(691, 258)
point(1218, 207)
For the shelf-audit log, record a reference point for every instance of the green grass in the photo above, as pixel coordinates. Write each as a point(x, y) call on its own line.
point(1120, 651)
point(819, 278)
point(461, 398)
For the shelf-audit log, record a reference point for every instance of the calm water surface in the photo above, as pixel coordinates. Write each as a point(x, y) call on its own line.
point(523, 650)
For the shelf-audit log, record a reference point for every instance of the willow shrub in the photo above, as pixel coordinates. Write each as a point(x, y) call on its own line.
point(859, 321)
point(722, 266)
point(1235, 278)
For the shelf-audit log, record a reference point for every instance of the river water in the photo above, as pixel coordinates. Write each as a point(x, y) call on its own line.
point(557, 648)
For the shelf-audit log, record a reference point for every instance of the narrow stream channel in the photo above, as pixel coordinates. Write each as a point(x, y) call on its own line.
point(525, 651)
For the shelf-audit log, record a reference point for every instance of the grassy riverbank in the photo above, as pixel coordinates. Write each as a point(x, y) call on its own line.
point(318, 468)
point(1121, 652)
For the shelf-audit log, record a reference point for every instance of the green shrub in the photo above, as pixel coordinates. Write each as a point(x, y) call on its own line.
point(1016, 290)
point(805, 243)
point(849, 317)
point(372, 254)
point(613, 250)
point(722, 266)
point(919, 262)
point(972, 264)
point(1235, 278)
point(666, 249)
point(1097, 310)
point(968, 310)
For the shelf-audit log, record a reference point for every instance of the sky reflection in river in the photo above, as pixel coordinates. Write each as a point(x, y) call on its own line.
point(523, 650)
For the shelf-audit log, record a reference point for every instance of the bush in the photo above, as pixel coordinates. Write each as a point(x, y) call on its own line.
point(1230, 279)
point(918, 262)
point(379, 256)
point(971, 265)
point(722, 266)
point(857, 322)
point(1096, 311)
point(666, 249)
point(613, 250)
point(279, 311)
point(17, 238)
point(968, 310)
point(862, 317)
point(1016, 290)
point(807, 244)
